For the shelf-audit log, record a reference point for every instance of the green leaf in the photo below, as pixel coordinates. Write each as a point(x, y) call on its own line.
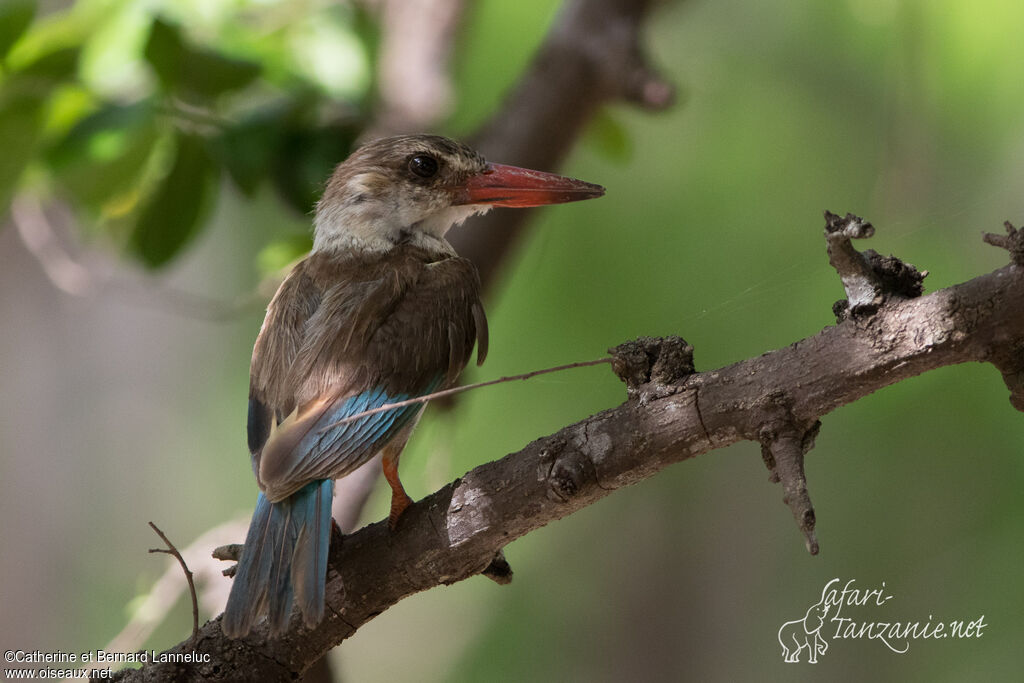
point(164, 51)
point(21, 121)
point(103, 156)
point(306, 158)
point(172, 216)
point(211, 74)
point(23, 100)
point(53, 67)
point(90, 137)
point(15, 17)
point(191, 71)
point(247, 147)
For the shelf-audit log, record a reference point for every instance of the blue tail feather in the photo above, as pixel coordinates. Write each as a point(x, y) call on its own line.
point(285, 556)
point(312, 538)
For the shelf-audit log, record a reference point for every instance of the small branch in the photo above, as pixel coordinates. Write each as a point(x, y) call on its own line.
point(783, 447)
point(171, 550)
point(152, 608)
point(458, 390)
point(230, 552)
point(652, 366)
point(192, 115)
point(1012, 241)
point(189, 304)
point(863, 288)
point(499, 571)
point(1010, 359)
point(67, 274)
point(868, 278)
point(38, 236)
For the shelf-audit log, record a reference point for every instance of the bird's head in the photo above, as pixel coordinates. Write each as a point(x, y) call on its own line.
point(413, 188)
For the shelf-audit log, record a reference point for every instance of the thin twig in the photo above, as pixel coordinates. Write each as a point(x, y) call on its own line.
point(189, 304)
point(152, 608)
point(183, 111)
point(171, 550)
point(458, 390)
point(39, 237)
point(66, 273)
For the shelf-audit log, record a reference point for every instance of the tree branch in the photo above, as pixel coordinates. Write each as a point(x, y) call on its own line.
point(414, 83)
point(672, 414)
point(592, 56)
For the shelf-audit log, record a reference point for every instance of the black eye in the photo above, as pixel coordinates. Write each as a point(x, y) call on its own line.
point(423, 165)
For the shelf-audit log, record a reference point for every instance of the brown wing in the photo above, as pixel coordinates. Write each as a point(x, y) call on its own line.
point(431, 330)
point(370, 342)
point(278, 342)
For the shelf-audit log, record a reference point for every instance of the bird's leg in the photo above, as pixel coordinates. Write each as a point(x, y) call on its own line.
point(400, 500)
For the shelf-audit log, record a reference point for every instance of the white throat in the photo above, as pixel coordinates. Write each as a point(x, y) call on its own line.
point(365, 227)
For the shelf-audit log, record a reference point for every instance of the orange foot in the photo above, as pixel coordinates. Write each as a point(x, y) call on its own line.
point(400, 500)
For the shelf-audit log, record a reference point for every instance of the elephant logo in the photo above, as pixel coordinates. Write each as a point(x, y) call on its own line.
point(795, 636)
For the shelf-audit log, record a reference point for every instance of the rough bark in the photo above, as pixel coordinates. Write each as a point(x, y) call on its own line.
point(671, 414)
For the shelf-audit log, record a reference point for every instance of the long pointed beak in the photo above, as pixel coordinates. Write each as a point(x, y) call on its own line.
point(501, 185)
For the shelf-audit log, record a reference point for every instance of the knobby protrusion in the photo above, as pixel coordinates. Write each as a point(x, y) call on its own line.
point(567, 471)
point(646, 87)
point(1010, 362)
point(868, 277)
point(898, 278)
point(663, 361)
point(611, 39)
point(1012, 241)
point(499, 571)
point(1014, 377)
point(783, 446)
point(228, 553)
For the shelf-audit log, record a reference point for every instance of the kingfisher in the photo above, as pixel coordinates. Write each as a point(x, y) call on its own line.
point(380, 311)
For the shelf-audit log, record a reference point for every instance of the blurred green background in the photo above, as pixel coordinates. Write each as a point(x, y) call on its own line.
point(910, 114)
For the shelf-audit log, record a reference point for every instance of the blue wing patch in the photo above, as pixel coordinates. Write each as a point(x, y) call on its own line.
point(329, 452)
